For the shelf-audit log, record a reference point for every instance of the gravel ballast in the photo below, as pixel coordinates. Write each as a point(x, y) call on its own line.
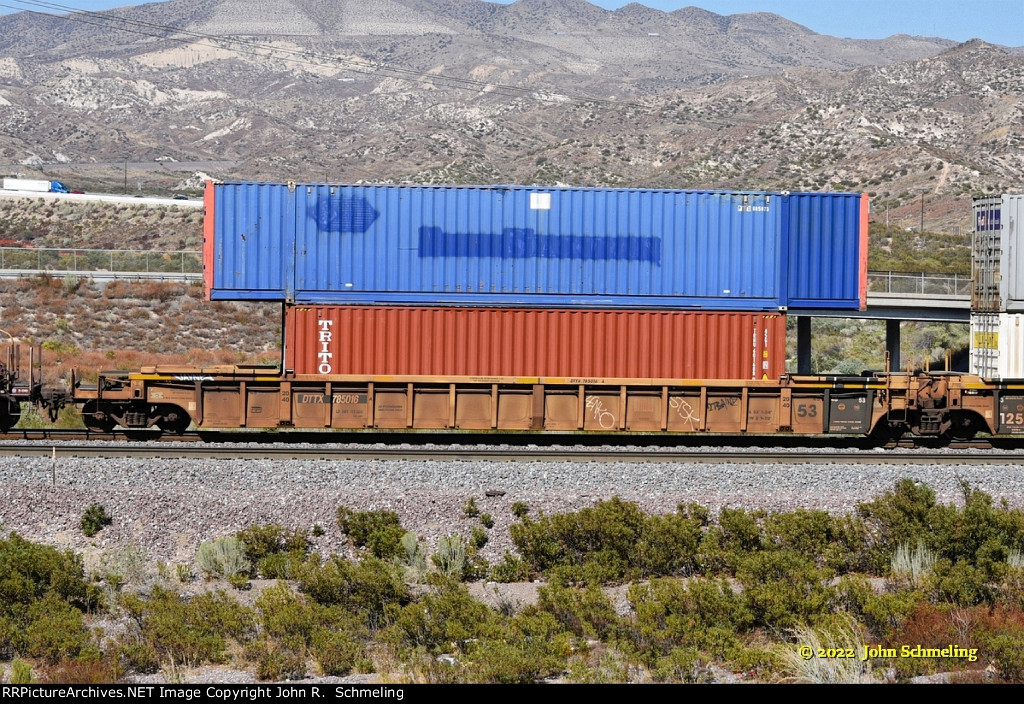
point(168, 507)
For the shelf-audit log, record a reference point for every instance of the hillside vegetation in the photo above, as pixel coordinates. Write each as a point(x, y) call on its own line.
point(800, 596)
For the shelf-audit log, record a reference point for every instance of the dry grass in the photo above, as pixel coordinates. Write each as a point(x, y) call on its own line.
point(127, 324)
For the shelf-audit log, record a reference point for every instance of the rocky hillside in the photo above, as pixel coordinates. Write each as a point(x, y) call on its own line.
point(540, 91)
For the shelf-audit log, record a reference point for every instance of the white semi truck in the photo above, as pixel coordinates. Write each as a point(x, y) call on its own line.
point(34, 185)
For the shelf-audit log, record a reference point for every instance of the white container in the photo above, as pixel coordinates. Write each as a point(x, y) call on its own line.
point(997, 345)
point(997, 256)
point(26, 184)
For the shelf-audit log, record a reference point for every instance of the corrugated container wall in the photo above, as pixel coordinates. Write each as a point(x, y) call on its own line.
point(997, 345)
point(531, 246)
point(997, 259)
point(399, 340)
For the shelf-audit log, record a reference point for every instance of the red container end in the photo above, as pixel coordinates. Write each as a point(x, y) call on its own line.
point(208, 232)
point(518, 342)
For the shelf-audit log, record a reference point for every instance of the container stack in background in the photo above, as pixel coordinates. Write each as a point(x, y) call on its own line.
point(997, 297)
point(580, 283)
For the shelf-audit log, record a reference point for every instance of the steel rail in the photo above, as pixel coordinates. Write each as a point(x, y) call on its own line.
point(539, 454)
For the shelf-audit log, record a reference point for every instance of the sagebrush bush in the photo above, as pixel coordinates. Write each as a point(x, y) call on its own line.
point(414, 560)
point(223, 558)
point(450, 558)
point(912, 566)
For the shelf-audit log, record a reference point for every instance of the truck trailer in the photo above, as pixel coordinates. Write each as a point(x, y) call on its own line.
point(34, 185)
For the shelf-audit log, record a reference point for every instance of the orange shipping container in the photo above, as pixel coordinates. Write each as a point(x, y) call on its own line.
point(516, 342)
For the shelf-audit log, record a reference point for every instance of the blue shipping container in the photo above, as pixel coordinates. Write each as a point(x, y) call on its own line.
point(535, 246)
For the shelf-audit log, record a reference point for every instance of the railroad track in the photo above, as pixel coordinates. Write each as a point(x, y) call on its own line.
point(82, 450)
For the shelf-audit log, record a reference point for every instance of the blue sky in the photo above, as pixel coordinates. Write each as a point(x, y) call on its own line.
point(995, 21)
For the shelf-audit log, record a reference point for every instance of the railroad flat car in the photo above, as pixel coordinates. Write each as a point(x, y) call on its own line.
point(881, 405)
point(524, 246)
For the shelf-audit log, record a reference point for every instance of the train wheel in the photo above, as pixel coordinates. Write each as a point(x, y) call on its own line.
point(10, 414)
point(174, 420)
point(96, 419)
point(885, 432)
point(964, 427)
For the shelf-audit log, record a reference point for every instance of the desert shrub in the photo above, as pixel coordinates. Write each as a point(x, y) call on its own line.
point(520, 509)
point(611, 541)
point(740, 531)
point(512, 656)
point(447, 618)
point(273, 551)
point(470, 509)
point(604, 534)
point(53, 631)
point(338, 653)
point(21, 672)
point(272, 539)
point(379, 531)
point(833, 542)
point(682, 665)
point(414, 559)
point(240, 581)
point(139, 656)
point(275, 662)
point(94, 520)
point(186, 633)
point(295, 628)
point(450, 556)
point(512, 568)
point(668, 545)
point(478, 538)
point(883, 613)
point(127, 563)
point(70, 284)
point(30, 571)
point(586, 612)
point(900, 515)
point(61, 347)
point(371, 587)
point(1006, 649)
point(223, 558)
point(102, 671)
point(783, 588)
point(979, 534)
point(704, 614)
point(912, 566)
point(961, 583)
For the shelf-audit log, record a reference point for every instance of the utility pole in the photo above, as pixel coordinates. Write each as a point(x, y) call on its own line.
point(922, 213)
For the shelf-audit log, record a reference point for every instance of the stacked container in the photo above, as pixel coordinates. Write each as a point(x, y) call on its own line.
point(997, 297)
point(535, 282)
